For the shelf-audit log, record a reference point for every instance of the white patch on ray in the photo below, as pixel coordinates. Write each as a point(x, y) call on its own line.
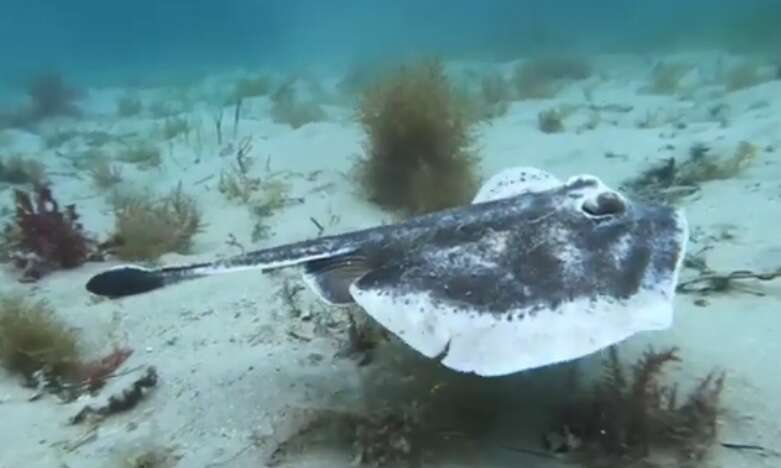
point(488, 344)
point(515, 181)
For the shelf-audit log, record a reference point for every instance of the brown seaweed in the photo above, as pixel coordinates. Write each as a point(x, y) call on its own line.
point(632, 419)
point(418, 157)
point(128, 399)
point(671, 181)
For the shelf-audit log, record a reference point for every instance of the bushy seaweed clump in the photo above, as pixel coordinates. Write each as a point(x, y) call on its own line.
point(20, 170)
point(251, 87)
point(387, 437)
point(418, 157)
point(42, 238)
point(495, 89)
point(146, 228)
point(541, 77)
point(287, 108)
point(104, 174)
point(174, 127)
point(49, 97)
point(142, 153)
point(633, 420)
point(146, 455)
point(46, 353)
point(31, 339)
point(744, 75)
point(129, 106)
point(550, 121)
point(392, 435)
point(493, 98)
point(666, 77)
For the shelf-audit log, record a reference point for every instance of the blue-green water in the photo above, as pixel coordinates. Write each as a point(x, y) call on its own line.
point(118, 41)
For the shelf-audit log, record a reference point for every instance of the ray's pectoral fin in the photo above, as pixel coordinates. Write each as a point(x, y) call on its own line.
point(331, 278)
point(387, 295)
point(515, 181)
point(488, 337)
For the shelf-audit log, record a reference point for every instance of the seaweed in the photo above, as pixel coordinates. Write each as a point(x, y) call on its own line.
point(19, 170)
point(744, 75)
point(49, 97)
point(46, 353)
point(666, 77)
point(550, 121)
point(174, 127)
point(144, 154)
point(540, 77)
point(235, 182)
point(630, 420)
point(251, 87)
point(711, 282)
point(670, 181)
point(702, 168)
point(146, 228)
point(418, 155)
point(494, 89)
point(388, 436)
point(273, 196)
point(237, 185)
point(361, 76)
point(93, 138)
point(364, 335)
point(32, 339)
point(146, 455)
point(104, 174)
point(287, 109)
point(492, 100)
point(129, 106)
point(125, 401)
point(161, 109)
point(42, 238)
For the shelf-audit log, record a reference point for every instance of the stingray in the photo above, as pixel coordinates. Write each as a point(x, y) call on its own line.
point(534, 272)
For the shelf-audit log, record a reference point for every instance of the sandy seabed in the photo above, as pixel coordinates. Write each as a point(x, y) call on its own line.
point(239, 371)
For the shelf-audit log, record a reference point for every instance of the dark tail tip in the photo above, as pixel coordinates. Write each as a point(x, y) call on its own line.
point(125, 281)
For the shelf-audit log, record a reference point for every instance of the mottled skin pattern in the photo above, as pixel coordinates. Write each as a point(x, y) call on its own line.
point(531, 250)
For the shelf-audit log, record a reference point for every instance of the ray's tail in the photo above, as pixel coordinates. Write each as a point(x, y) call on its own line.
point(127, 280)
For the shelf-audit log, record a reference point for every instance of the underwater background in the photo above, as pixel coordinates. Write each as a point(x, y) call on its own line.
point(160, 133)
point(132, 41)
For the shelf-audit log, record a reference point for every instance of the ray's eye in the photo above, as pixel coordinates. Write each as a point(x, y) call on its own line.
point(606, 204)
